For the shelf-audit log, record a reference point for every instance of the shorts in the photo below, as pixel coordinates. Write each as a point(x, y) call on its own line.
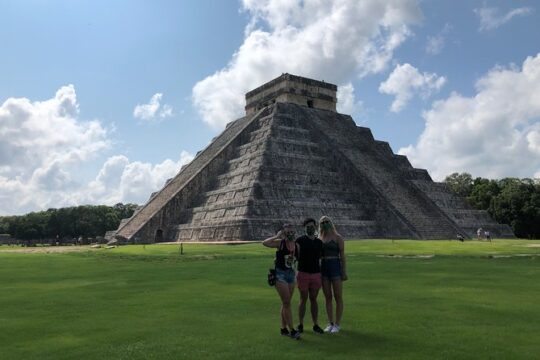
point(308, 281)
point(286, 276)
point(331, 268)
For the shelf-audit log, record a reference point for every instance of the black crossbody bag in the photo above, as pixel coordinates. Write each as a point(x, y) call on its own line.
point(272, 276)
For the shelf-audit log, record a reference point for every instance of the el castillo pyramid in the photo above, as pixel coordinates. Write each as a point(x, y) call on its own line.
point(293, 156)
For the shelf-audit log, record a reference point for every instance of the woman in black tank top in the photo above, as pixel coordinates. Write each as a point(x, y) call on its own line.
point(333, 272)
point(286, 255)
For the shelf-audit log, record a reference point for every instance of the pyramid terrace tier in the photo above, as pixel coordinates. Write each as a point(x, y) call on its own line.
point(292, 209)
point(255, 229)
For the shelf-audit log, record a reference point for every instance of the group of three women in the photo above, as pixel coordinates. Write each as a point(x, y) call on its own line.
point(321, 263)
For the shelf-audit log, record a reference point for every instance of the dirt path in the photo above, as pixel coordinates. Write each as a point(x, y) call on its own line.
point(45, 249)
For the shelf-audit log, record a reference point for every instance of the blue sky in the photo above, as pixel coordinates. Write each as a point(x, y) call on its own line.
point(451, 84)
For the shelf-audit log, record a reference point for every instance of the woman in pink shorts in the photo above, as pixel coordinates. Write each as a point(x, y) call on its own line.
point(308, 277)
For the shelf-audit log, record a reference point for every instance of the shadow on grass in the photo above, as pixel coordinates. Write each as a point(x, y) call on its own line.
point(340, 344)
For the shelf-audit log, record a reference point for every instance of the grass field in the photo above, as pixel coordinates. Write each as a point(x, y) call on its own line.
point(472, 300)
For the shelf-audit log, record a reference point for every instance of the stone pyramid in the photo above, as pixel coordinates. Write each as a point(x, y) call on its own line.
point(293, 156)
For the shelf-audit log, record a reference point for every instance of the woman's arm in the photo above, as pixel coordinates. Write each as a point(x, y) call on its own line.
point(273, 241)
point(341, 244)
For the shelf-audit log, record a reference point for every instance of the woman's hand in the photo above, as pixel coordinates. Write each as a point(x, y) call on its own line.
point(344, 277)
point(273, 241)
point(280, 235)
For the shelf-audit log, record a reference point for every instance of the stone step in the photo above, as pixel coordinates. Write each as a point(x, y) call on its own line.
point(291, 129)
point(248, 145)
point(240, 177)
point(246, 157)
point(259, 230)
point(294, 191)
point(296, 157)
point(237, 220)
point(261, 132)
point(299, 203)
point(247, 185)
point(277, 178)
point(242, 213)
point(233, 173)
point(280, 140)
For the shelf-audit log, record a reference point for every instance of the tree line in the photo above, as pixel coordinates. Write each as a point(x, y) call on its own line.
point(511, 201)
point(64, 224)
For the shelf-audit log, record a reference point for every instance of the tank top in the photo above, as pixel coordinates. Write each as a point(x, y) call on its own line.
point(284, 257)
point(330, 249)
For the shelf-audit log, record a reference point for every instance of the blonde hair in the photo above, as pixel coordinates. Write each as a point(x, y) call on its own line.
point(324, 233)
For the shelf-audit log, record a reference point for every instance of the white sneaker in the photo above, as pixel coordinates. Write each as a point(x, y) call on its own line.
point(335, 329)
point(328, 328)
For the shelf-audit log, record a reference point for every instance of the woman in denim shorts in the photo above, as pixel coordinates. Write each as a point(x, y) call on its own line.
point(286, 254)
point(333, 272)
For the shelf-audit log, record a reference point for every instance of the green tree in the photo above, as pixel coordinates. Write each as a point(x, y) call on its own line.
point(482, 192)
point(4, 225)
point(511, 201)
point(71, 222)
point(518, 204)
point(460, 183)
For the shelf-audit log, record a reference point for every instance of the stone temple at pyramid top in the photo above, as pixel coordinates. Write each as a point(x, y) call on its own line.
point(293, 89)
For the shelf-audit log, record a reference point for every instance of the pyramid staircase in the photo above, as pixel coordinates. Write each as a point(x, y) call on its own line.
point(457, 208)
point(280, 174)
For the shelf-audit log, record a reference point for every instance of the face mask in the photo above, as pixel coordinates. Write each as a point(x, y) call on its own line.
point(310, 230)
point(290, 236)
point(326, 226)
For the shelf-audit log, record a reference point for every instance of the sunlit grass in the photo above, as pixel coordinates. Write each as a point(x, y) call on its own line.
point(151, 302)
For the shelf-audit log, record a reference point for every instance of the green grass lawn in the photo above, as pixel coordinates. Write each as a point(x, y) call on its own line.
point(469, 301)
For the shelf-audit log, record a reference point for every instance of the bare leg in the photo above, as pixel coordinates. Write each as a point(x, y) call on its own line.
point(285, 295)
point(338, 295)
point(327, 290)
point(302, 306)
point(291, 293)
point(314, 307)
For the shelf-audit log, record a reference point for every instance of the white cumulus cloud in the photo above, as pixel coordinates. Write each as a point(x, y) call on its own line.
point(491, 19)
point(122, 180)
point(406, 81)
point(153, 110)
point(332, 40)
point(435, 44)
point(40, 142)
point(533, 139)
point(494, 134)
point(347, 103)
point(44, 148)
